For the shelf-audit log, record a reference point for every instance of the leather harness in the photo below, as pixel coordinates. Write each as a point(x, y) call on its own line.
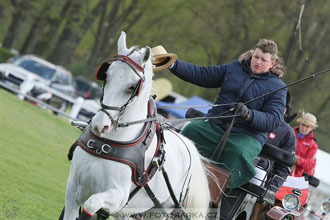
point(131, 152)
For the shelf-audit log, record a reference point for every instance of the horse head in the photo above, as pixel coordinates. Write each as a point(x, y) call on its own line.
point(127, 86)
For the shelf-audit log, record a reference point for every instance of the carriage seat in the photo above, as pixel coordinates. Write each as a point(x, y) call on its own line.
point(276, 154)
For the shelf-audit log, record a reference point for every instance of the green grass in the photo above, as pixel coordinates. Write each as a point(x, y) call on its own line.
point(33, 163)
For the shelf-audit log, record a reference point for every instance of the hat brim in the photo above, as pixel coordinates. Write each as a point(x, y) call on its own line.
point(303, 121)
point(161, 88)
point(163, 61)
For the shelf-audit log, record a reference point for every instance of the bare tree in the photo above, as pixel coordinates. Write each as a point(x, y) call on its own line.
point(40, 21)
point(70, 36)
point(18, 19)
point(49, 32)
point(109, 27)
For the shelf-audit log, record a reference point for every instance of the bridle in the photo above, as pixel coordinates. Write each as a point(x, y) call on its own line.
point(101, 75)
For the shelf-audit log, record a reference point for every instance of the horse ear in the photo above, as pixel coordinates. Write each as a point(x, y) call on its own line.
point(122, 43)
point(146, 54)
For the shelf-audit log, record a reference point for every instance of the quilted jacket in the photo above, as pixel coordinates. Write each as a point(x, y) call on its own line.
point(239, 84)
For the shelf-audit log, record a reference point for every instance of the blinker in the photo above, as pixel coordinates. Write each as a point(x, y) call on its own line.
point(101, 71)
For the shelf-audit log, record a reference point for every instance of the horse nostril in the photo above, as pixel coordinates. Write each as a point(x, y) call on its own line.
point(105, 128)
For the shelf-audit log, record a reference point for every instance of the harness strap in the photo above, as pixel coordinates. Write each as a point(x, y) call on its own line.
point(175, 200)
point(104, 107)
point(156, 164)
point(219, 148)
point(155, 200)
point(130, 62)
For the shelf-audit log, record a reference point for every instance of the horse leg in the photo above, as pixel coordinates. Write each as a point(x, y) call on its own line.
point(71, 208)
point(111, 201)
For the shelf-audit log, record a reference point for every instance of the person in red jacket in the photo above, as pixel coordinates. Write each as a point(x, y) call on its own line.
point(306, 146)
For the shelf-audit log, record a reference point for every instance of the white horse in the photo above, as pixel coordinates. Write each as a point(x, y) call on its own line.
point(104, 183)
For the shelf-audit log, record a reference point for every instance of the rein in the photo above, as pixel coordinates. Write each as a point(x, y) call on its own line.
point(192, 106)
point(161, 120)
point(220, 146)
point(276, 90)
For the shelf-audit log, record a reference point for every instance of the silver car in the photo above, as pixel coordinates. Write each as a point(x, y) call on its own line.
point(48, 81)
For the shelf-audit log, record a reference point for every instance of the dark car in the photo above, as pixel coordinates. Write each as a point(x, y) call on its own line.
point(86, 88)
point(91, 92)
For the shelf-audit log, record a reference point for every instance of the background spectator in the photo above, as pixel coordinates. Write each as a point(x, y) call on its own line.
point(306, 145)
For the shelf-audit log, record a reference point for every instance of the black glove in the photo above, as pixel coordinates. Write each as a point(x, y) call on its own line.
point(243, 110)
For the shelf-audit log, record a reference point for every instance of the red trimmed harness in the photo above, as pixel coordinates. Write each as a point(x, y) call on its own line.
point(130, 153)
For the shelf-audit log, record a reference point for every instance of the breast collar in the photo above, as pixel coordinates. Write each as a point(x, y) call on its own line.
point(132, 152)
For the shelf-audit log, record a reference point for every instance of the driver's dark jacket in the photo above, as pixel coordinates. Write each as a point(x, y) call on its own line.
point(239, 84)
point(284, 138)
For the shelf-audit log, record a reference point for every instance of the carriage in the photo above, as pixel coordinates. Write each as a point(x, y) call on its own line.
point(129, 165)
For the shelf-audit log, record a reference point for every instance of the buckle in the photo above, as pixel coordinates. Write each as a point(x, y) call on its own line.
point(155, 162)
point(161, 119)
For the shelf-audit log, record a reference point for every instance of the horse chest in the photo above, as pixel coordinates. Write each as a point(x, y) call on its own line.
point(131, 153)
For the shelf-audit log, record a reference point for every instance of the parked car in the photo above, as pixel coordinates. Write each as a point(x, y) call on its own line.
point(91, 92)
point(31, 68)
point(86, 88)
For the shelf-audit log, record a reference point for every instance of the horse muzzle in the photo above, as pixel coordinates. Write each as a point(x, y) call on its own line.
point(102, 123)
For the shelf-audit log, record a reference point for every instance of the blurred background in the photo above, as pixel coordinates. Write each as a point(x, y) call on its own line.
point(80, 34)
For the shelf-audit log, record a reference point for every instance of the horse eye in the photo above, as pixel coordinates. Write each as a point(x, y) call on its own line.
point(131, 89)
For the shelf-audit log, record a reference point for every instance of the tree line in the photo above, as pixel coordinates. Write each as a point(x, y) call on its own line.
point(81, 34)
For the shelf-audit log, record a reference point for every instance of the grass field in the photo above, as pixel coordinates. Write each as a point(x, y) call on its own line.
point(33, 163)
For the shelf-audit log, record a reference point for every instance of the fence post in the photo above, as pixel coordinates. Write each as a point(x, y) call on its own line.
point(25, 87)
point(76, 107)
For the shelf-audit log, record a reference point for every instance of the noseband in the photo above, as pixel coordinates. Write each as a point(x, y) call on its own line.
point(101, 74)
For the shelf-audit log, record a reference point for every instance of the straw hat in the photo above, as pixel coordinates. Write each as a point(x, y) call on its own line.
point(161, 87)
point(308, 119)
point(162, 59)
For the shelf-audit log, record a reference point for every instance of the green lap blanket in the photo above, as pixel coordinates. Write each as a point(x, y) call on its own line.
point(237, 156)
